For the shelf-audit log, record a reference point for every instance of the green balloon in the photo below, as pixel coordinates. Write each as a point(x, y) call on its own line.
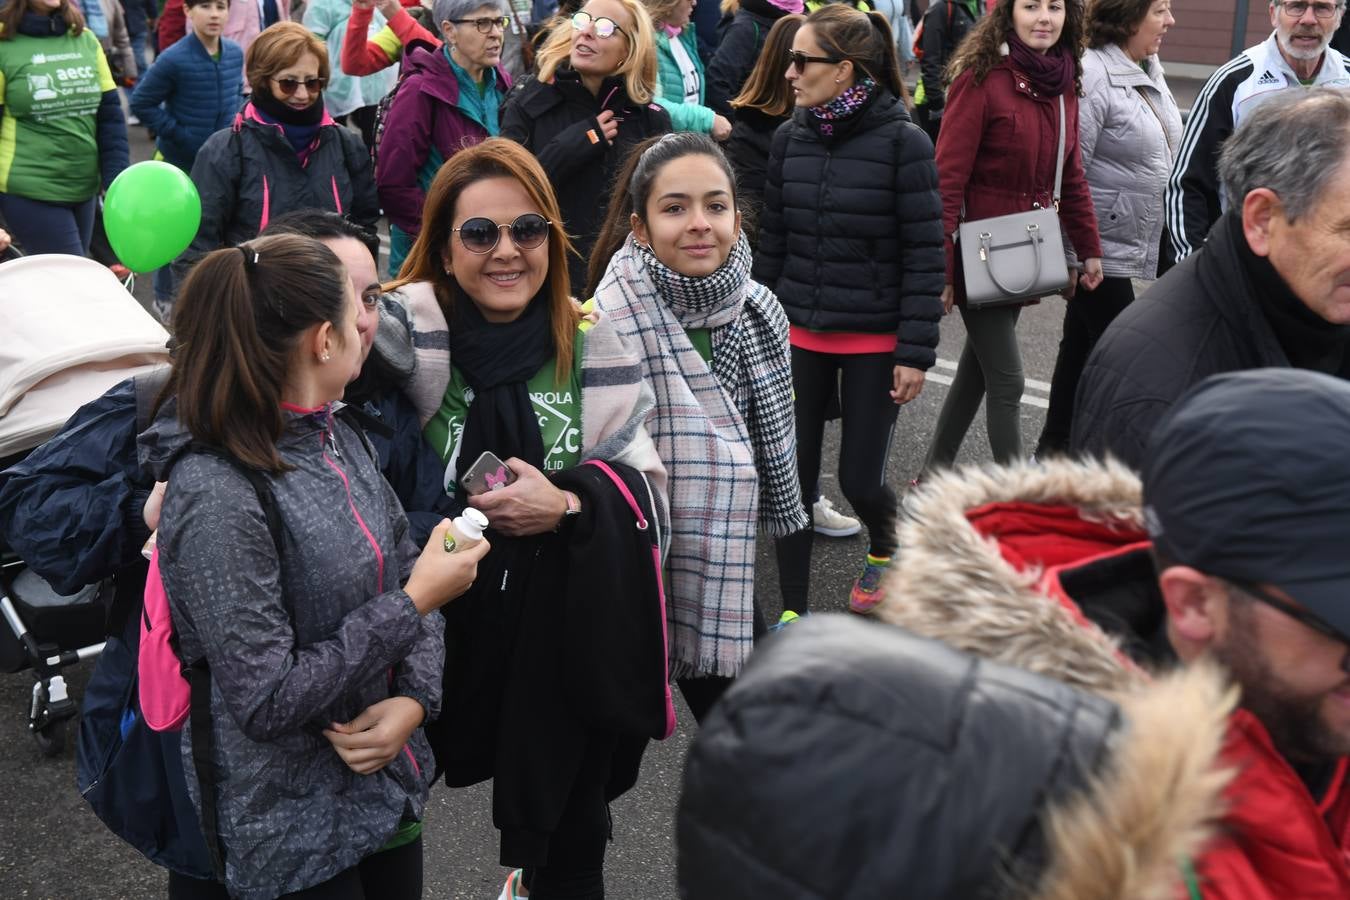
point(151, 214)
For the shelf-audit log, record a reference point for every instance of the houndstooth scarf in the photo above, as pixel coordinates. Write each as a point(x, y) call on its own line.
point(726, 435)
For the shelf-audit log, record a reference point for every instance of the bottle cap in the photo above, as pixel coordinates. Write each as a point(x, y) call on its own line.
point(471, 523)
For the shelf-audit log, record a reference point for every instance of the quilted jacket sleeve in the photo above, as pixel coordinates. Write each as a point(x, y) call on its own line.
point(919, 214)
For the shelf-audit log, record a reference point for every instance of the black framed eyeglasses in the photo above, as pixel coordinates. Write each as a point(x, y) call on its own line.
point(485, 24)
point(799, 60)
point(1292, 610)
point(480, 234)
point(1296, 9)
point(290, 85)
point(603, 26)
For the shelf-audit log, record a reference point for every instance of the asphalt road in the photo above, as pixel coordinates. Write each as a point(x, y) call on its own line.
point(51, 846)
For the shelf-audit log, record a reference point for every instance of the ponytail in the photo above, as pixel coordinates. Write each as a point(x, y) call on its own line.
point(239, 315)
point(889, 76)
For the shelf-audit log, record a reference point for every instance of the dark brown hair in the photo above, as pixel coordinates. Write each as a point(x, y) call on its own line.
point(426, 261)
point(12, 14)
point(1114, 21)
point(237, 322)
point(979, 50)
point(277, 48)
point(766, 90)
point(864, 39)
point(633, 187)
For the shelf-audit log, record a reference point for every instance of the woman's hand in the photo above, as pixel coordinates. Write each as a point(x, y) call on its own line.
point(948, 299)
point(721, 128)
point(389, 8)
point(153, 504)
point(528, 505)
point(370, 742)
point(908, 383)
point(1092, 274)
point(4, 240)
point(609, 125)
point(439, 577)
point(363, 4)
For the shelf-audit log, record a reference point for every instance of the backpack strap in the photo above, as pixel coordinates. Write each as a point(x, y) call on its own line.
point(147, 387)
point(198, 674)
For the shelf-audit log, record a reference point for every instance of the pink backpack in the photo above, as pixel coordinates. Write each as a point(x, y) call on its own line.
point(162, 682)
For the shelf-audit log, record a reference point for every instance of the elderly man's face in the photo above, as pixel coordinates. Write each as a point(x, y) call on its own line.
point(1312, 254)
point(1305, 36)
point(1292, 678)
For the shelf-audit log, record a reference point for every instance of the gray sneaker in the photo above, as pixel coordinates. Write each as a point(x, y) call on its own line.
point(831, 522)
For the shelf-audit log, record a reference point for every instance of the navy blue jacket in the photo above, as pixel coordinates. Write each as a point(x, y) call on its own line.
point(72, 508)
point(187, 96)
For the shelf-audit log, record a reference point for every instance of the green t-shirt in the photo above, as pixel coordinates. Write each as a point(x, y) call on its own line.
point(51, 88)
point(558, 407)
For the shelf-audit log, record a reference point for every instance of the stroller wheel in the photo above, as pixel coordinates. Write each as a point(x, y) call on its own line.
point(52, 739)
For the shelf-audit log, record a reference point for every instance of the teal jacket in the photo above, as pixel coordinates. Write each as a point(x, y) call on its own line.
point(670, 84)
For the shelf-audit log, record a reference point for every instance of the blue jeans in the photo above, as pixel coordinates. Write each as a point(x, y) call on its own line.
point(41, 227)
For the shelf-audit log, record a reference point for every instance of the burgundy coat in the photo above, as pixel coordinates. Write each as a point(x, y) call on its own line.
point(996, 153)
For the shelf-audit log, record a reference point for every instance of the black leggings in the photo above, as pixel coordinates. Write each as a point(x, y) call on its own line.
point(576, 850)
point(395, 874)
point(1086, 317)
point(867, 422)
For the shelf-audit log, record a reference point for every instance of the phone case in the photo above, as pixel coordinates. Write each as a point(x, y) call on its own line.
point(488, 473)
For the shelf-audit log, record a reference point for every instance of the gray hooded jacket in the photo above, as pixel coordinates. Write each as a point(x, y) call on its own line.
point(296, 643)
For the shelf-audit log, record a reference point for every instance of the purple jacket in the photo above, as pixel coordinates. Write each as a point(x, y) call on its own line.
point(425, 113)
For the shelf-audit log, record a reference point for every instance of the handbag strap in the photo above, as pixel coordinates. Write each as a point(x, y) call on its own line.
point(1167, 136)
point(1059, 161)
point(623, 491)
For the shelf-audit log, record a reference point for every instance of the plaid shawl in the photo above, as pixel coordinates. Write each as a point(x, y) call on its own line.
point(726, 435)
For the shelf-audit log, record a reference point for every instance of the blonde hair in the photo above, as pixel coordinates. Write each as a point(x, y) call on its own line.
point(278, 47)
point(639, 66)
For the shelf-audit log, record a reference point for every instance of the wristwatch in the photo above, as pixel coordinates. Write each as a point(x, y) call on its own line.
point(573, 509)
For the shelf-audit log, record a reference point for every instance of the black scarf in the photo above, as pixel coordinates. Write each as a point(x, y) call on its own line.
point(1050, 72)
point(497, 361)
point(35, 25)
point(1309, 341)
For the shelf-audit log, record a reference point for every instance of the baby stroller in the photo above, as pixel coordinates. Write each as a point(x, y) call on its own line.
point(71, 331)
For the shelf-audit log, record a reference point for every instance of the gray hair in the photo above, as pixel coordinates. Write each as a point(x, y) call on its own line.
point(1292, 147)
point(447, 10)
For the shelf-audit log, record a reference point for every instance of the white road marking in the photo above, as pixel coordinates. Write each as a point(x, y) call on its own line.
point(1028, 399)
point(1031, 383)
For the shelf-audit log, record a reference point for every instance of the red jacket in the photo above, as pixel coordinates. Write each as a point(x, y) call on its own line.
point(996, 153)
point(1280, 843)
point(172, 24)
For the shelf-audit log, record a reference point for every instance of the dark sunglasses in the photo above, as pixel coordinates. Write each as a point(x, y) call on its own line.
point(798, 60)
point(1293, 611)
point(485, 25)
point(288, 85)
point(603, 26)
point(480, 234)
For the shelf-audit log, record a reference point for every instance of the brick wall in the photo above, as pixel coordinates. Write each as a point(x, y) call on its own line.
point(1204, 30)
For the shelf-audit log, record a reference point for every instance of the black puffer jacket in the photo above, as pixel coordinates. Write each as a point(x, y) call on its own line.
point(1201, 318)
point(248, 174)
point(556, 121)
point(742, 40)
point(748, 152)
point(856, 760)
point(851, 233)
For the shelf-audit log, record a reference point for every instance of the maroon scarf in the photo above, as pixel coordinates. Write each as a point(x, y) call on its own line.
point(1051, 72)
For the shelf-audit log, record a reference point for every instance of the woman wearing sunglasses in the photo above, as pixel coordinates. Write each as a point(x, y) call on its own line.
point(282, 153)
point(851, 242)
point(591, 104)
point(528, 380)
point(450, 99)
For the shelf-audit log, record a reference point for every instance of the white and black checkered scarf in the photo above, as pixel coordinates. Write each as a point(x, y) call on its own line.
point(725, 433)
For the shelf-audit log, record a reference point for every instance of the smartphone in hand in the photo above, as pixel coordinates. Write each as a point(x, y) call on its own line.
point(488, 473)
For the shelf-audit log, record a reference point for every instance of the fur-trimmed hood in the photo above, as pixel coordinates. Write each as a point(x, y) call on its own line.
point(976, 570)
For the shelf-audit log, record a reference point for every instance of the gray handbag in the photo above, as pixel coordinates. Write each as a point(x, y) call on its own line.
point(1017, 257)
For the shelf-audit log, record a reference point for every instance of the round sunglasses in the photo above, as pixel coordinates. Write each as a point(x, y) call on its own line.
point(289, 85)
point(480, 234)
point(603, 26)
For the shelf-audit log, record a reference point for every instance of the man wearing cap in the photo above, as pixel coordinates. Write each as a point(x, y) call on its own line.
point(1270, 287)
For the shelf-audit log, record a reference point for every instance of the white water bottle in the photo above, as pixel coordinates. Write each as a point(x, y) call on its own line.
point(465, 531)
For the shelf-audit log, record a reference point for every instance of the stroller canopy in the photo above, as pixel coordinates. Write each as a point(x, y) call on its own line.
point(69, 331)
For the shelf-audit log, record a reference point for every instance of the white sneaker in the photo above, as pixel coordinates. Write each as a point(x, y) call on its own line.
point(132, 120)
point(512, 886)
point(831, 522)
